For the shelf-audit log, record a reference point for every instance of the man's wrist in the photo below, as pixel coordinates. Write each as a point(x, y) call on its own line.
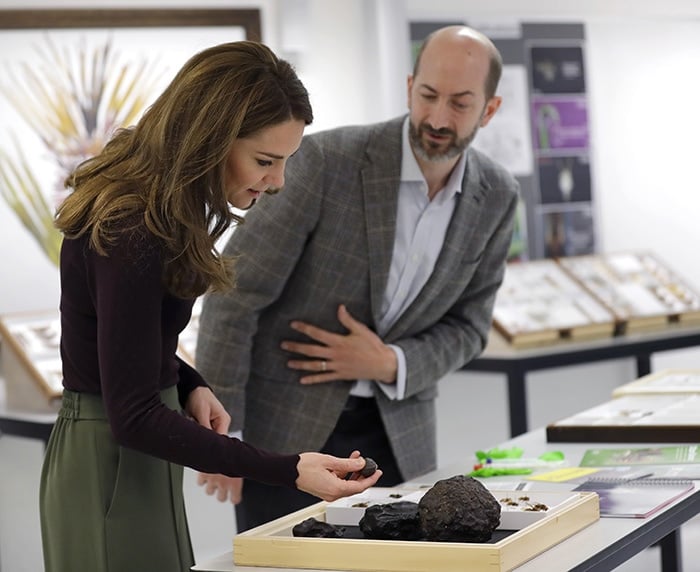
point(390, 366)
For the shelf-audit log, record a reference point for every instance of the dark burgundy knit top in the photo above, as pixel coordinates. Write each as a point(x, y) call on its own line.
point(119, 331)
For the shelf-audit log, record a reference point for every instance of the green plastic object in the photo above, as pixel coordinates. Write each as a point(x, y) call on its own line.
point(499, 462)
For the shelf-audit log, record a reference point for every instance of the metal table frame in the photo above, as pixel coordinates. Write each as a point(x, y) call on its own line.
point(500, 357)
point(30, 426)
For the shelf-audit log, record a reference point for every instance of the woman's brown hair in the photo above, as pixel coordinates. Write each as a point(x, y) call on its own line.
point(167, 171)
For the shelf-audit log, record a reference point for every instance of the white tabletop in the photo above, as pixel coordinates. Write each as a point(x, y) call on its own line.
point(600, 538)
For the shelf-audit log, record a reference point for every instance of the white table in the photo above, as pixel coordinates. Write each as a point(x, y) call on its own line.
point(602, 546)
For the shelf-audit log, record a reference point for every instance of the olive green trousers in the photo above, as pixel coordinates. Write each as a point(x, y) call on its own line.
point(106, 508)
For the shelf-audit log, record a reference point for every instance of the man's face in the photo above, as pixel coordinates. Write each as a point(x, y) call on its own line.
point(447, 101)
point(442, 144)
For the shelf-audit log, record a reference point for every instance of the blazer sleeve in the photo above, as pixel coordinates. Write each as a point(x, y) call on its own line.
point(276, 231)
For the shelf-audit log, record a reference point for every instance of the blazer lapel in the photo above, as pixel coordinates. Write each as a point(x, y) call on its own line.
point(459, 233)
point(380, 185)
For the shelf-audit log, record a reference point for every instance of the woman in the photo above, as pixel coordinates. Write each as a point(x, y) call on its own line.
point(140, 230)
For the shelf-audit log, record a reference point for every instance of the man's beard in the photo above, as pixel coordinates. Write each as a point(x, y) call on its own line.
point(436, 153)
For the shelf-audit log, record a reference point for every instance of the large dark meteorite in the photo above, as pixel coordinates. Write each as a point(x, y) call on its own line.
point(392, 521)
point(459, 509)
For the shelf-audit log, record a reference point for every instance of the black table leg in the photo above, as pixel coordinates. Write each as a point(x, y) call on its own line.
point(671, 557)
point(28, 429)
point(643, 364)
point(517, 402)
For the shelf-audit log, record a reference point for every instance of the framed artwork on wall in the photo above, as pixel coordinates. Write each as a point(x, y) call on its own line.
point(69, 78)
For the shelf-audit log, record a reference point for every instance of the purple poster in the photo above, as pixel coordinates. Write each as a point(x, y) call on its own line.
point(560, 122)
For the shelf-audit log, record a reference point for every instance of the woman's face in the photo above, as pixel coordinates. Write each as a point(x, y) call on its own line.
point(255, 164)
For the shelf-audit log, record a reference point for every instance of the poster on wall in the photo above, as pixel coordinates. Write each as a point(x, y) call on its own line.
point(557, 69)
point(566, 231)
point(559, 122)
point(506, 138)
point(561, 140)
point(564, 179)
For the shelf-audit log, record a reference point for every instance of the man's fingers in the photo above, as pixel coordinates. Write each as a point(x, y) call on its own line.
point(313, 332)
point(346, 319)
point(310, 350)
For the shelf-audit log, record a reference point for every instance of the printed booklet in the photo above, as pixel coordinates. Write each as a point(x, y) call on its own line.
point(635, 498)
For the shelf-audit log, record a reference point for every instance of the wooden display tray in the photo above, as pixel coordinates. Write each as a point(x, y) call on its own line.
point(273, 545)
point(31, 362)
point(550, 337)
point(650, 418)
point(641, 291)
point(662, 382)
point(539, 303)
point(543, 302)
point(31, 359)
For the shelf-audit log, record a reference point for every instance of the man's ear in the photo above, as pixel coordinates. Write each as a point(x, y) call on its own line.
point(490, 109)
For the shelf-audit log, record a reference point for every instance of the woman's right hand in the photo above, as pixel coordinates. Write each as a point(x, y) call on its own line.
point(324, 475)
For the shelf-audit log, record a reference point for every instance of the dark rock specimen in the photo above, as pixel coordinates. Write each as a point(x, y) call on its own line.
point(370, 467)
point(317, 529)
point(367, 471)
point(392, 521)
point(459, 509)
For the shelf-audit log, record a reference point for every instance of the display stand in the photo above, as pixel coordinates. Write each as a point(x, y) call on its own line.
point(31, 361)
point(539, 303)
point(501, 357)
point(28, 424)
point(673, 418)
point(593, 296)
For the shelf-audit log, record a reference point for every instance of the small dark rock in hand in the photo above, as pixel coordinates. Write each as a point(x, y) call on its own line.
point(367, 471)
point(370, 467)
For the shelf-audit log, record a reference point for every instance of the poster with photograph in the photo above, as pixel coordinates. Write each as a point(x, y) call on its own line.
point(557, 69)
point(560, 122)
point(567, 232)
point(564, 179)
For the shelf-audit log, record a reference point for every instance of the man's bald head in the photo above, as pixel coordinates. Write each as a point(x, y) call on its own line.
point(464, 41)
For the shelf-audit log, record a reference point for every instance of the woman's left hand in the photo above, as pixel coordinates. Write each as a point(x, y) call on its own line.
point(203, 406)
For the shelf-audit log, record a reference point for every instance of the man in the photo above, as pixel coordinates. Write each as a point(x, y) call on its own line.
point(367, 279)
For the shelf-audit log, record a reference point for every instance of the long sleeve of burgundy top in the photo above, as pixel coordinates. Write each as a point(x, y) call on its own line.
point(119, 330)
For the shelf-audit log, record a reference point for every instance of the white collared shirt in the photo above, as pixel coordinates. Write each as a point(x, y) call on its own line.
point(421, 226)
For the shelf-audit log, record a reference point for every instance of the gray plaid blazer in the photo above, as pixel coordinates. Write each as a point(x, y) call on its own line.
point(327, 239)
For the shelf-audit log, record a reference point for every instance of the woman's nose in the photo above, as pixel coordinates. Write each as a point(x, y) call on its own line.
point(275, 179)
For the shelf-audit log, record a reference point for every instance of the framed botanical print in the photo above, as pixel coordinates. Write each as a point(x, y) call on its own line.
point(69, 78)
